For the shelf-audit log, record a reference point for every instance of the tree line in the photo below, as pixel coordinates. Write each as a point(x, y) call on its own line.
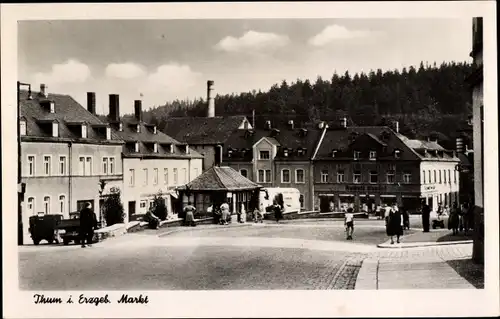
point(428, 99)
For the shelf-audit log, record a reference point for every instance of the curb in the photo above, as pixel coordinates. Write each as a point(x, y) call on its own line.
point(185, 229)
point(388, 244)
point(367, 275)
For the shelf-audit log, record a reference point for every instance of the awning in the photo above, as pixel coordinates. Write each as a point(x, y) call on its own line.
point(392, 196)
point(346, 195)
point(364, 195)
point(325, 195)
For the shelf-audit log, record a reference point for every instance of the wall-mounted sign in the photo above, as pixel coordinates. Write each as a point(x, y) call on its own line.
point(114, 189)
point(229, 195)
point(429, 188)
point(364, 188)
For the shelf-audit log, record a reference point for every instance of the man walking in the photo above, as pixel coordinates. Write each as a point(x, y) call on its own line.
point(88, 222)
point(349, 223)
point(426, 214)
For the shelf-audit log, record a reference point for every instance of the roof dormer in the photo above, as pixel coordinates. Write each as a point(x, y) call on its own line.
point(334, 152)
point(187, 149)
point(285, 152)
point(155, 147)
point(108, 133)
point(397, 153)
point(120, 127)
point(84, 131)
point(136, 147)
point(138, 128)
point(55, 129)
point(171, 148)
point(48, 105)
point(22, 126)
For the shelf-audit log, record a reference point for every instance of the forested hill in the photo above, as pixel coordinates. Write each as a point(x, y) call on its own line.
point(425, 99)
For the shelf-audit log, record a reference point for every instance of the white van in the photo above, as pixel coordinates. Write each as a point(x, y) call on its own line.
point(291, 198)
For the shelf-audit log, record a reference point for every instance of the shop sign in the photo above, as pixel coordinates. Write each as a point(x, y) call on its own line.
point(114, 190)
point(364, 188)
point(429, 188)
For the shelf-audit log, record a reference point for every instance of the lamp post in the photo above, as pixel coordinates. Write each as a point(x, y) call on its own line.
point(102, 185)
point(20, 187)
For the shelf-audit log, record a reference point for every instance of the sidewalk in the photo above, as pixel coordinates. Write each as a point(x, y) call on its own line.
point(436, 267)
point(435, 237)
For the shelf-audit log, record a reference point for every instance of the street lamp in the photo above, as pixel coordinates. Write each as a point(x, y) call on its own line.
point(102, 185)
point(20, 187)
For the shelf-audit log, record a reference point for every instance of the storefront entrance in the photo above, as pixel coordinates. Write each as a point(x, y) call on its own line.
point(345, 202)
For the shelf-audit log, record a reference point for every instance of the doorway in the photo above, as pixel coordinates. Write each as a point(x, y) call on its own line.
point(131, 210)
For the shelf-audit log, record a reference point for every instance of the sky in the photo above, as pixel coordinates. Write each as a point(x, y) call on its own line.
point(164, 60)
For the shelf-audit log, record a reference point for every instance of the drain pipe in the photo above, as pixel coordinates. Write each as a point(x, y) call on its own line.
point(70, 174)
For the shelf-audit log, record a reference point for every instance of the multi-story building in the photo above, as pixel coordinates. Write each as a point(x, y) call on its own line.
point(275, 158)
point(153, 162)
point(206, 135)
point(62, 145)
point(476, 82)
point(366, 167)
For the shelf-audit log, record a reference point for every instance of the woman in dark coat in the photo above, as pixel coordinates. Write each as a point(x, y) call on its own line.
point(394, 225)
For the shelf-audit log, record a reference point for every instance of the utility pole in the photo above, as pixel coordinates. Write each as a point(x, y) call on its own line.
point(20, 186)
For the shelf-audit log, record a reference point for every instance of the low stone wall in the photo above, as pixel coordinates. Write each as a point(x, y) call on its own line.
point(111, 231)
point(177, 222)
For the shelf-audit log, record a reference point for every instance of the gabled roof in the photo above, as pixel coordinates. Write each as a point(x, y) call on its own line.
point(291, 139)
point(67, 111)
point(202, 130)
point(220, 179)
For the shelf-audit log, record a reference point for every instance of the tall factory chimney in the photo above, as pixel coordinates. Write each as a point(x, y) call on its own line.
point(210, 99)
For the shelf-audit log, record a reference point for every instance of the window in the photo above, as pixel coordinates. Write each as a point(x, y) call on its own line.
point(356, 178)
point(88, 165)
point(299, 176)
point(105, 166)
point(132, 177)
point(62, 204)
point(264, 155)
point(22, 127)
point(46, 165)
point(184, 176)
point(449, 176)
point(397, 154)
point(440, 180)
point(46, 205)
point(391, 176)
point(145, 176)
point(357, 154)
point(111, 165)
point(285, 176)
point(81, 165)
point(324, 176)
point(444, 177)
point(373, 177)
point(52, 107)
point(455, 177)
point(407, 177)
point(155, 147)
point(373, 155)
point(136, 147)
point(30, 207)
point(31, 164)
point(175, 176)
point(84, 131)
point(143, 204)
point(243, 172)
point(55, 129)
point(195, 173)
point(340, 176)
point(165, 176)
point(108, 133)
point(62, 165)
point(260, 176)
point(435, 176)
point(423, 177)
point(430, 177)
point(268, 176)
point(155, 176)
point(392, 167)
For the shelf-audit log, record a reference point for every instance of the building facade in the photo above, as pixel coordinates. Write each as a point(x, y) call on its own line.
point(62, 145)
point(476, 82)
point(368, 167)
point(153, 162)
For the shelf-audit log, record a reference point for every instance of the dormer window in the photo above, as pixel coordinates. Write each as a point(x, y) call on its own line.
point(120, 127)
point(155, 130)
point(187, 149)
point(171, 148)
point(373, 155)
point(84, 131)
point(52, 106)
point(136, 149)
point(155, 147)
point(55, 129)
point(300, 151)
point(138, 128)
point(108, 133)
point(22, 127)
point(285, 152)
point(334, 152)
point(397, 154)
point(357, 155)
point(230, 153)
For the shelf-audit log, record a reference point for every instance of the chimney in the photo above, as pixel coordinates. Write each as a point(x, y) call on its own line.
point(343, 122)
point(43, 90)
point(268, 125)
point(91, 102)
point(138, 110)
point(210, 99)
point(460, 144)
point(321, 125)
point(114, 107)
point(290, 124)
point(396, 126)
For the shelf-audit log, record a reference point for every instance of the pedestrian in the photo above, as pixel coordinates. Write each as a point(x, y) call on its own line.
point(277, 211)
point(454, 220)
point(152, 220)
point(349, 223)
point(406, 218)
point(426, 214)
point(189, 212)
point(243, 213)
point(88, 222)
point(257, 215)
point(394, 224)
point(224, 213)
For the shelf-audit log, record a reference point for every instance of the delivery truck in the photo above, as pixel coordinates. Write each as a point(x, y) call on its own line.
point(290, 198)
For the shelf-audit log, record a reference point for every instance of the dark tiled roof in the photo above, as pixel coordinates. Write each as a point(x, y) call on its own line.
point(147, 139)
point(291, 139)
point(202, 130)
point(340, 140)
point(67, 110)
point(220, 179)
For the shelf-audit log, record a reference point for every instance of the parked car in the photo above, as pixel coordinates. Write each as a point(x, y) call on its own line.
point(44, 227)
point(439, 220)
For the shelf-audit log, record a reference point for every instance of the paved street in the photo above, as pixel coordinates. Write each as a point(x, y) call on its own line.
point(288, 256)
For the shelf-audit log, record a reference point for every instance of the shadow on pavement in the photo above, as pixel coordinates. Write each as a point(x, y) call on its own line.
point(459, 237)
point(467, 269)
